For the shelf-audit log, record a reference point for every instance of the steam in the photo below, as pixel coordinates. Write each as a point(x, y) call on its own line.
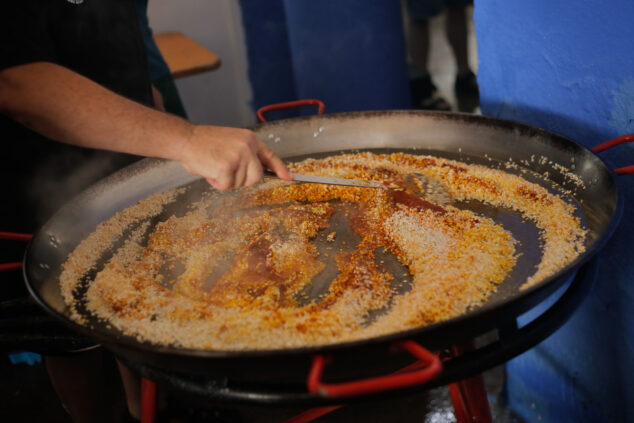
point(62, 176)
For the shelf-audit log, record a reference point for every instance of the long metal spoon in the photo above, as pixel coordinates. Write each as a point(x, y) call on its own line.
point(417, 183)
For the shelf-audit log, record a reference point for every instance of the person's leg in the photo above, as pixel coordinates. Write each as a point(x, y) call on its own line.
point(456, 29)
point(424, 93)
point(418, 37)
point(466, 86)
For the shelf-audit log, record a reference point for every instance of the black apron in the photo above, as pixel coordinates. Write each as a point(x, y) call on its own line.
point(99, 39)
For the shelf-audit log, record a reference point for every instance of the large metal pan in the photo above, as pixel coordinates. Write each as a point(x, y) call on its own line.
point(474, 139)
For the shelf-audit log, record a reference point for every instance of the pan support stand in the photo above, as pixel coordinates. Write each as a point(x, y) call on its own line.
point(148, 401)
point(469, 396)
point(462, 366)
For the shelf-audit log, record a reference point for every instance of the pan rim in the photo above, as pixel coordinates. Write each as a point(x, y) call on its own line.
point(539, 290)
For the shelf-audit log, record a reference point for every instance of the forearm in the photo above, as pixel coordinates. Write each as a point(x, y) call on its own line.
point(67, 107)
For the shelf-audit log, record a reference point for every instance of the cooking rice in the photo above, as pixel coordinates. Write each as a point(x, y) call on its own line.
point(235, 271)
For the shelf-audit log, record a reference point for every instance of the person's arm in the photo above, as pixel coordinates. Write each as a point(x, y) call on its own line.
point(65, 106)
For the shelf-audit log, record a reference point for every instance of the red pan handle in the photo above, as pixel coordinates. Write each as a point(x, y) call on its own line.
point(13, 236)
point(431, 362)
point(614, 142)
point(5, 267)
point(288, 105)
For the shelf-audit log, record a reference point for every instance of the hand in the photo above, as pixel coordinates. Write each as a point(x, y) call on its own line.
point(61, 104)
point(229, 157)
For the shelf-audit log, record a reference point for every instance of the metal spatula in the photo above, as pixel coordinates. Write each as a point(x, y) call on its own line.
point(417, 183)
point(428, 188)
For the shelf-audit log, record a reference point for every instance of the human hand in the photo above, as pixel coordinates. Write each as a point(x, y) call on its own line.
point(229, 157)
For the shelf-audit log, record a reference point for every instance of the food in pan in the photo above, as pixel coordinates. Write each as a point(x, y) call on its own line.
point(286, 265)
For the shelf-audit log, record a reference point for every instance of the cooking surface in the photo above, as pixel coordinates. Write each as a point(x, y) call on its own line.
point(472, 139)
point(240, 287)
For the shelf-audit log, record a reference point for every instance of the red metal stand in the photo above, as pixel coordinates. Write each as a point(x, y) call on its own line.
point(627, 170)
point(428, 367)
point(470, 401)
point(13, 236)
point(148, 401)
point(469, 396)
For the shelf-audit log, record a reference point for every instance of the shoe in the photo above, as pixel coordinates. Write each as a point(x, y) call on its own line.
point(467, 92)
point(467, 85)
point(425, 95)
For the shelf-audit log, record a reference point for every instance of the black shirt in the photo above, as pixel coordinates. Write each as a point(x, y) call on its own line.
point(99, 39)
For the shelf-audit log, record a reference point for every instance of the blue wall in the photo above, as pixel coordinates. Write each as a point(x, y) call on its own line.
point(568, 66)
point(563, 65)
point(349, 54)
point(270, 66)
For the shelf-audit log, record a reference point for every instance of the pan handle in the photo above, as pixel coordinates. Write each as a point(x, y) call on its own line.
point(288, 105)
point(431, 368)
point(15, 236)
point(614, 142)
point(4, 267)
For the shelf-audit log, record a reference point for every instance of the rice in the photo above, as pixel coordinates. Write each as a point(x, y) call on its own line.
point(234, 277)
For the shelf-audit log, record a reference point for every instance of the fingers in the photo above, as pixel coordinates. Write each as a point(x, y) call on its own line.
point(229, 157)
point(254, 173)
point(271, 161)
point(215, 184)
point(247, 169)
point(238, 166)
point(240, 174)
point(223, 180)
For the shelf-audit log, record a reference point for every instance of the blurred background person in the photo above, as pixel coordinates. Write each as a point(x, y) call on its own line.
point(425, 94)
point(164, 91)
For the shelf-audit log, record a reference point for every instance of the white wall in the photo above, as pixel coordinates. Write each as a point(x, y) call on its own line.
point(219, 97)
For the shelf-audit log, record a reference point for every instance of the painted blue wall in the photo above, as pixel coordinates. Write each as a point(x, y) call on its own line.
point(568, 66)
point(563, 65)
point(349, 54)
point(269, 56)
